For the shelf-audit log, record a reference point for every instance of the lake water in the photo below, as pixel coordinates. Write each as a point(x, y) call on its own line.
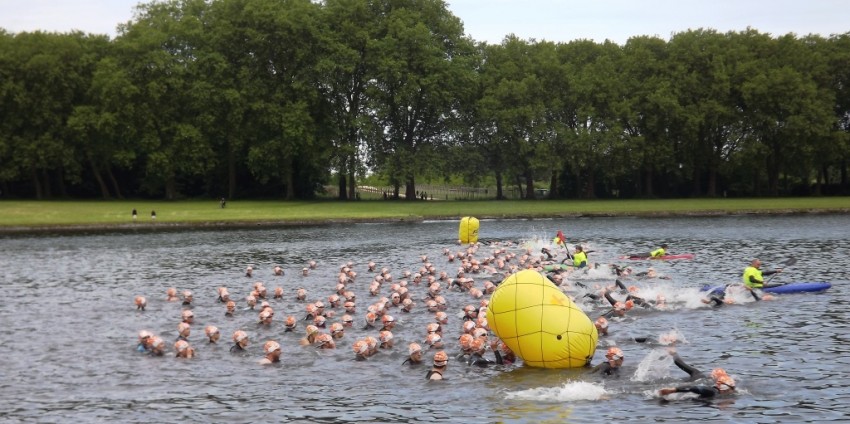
point(70, 326)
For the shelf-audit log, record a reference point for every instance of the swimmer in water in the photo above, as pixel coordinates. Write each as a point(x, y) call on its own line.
point(240, 339)
point(386, 338)
point(188, 316)
point(187, 298)
point(347, 321)
point(325, 341)
point(278, 293)
point(249, 271)
point(157, 346)
point(723, 384)
point(223, 295)
point(414, 354)
point(441, 360)
point(183, 349)
point(434, 341)
point(361, 350)
point(272, 351)
point(145, 338)
point(476, 357)
point(337, 331)
point(183, 331)
point(389, 323)
point(265, 317)
point(141, 303)
point(289, 324)
point(171, 295)
point(311, 332)
point(212, 333)
point(601, 325)
point(277, 271)
point(231, 308)
point(611, 367)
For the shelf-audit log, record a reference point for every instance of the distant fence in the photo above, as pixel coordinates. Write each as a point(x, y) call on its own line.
point(436, 192)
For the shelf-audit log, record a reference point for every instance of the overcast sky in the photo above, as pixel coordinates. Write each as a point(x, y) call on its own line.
point(492, 20)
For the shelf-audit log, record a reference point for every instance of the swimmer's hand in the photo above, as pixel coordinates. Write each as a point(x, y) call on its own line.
point(665, 392)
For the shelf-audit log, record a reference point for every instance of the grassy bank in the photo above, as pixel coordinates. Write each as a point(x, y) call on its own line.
point(52, 214)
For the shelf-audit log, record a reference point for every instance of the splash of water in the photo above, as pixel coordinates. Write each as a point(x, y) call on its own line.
point(655, 365)
point(570, 391)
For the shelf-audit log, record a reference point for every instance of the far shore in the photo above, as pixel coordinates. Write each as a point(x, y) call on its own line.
point(87, 216)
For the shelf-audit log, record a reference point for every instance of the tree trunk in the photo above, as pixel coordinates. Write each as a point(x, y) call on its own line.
point(342, 184)
point(821, 174)
point(553, 185)
point(529, 185)
point(396, 189)
point(39, 194)
point(844, 177)
point(115, 187)
point(519, 187)
point(104, 191)
point(712, 182)
point(170, 189)
point(647, 183)
point(352, 184)
point(231, 175)
point(289, 181)
point(696, 187)
point(410, 189)
point(48, 190)
point(60, 182)
point(499, 192)
point(589, 184)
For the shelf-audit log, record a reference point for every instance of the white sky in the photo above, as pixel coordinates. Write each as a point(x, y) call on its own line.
point(492, 20)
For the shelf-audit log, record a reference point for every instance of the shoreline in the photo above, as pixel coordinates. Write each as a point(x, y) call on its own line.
point(244, 224)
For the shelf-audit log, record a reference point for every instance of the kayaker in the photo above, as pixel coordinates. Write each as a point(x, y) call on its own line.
point(753, 278)
point(660, 252)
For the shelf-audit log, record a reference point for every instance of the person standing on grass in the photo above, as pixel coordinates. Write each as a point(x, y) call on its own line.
point(134, 214)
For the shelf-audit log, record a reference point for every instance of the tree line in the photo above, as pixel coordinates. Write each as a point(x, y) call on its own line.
point(279, 98)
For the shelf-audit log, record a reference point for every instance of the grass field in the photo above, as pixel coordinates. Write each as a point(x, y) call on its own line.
point(52, 214)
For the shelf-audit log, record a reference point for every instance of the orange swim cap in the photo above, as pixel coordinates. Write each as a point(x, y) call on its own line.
point(413, 348)
point(386, 336)
point(601, 322)
point(187, 314)
point(181, 345)
point(614, 353)
point(290, 321)
point(466, 341)
point(387, 319)
point(271, 346)
point(724, 382)
point(239, 335)
point(312, 329)
point(337, 328)
point(360, 347)
point(210, 330)
point(441, 358)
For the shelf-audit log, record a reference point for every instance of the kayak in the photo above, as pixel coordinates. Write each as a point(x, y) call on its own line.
point(662, 258)
point(556, 267)
point(795, 287)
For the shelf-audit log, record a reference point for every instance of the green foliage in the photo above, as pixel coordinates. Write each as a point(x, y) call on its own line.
point(274, 98)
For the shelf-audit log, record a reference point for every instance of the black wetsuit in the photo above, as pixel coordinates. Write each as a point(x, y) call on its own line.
point(431, 372)
point(411, 363)
point(477, 359)
point(694, 373)
point(236, 348)
point(704, 392)
point(605, 369)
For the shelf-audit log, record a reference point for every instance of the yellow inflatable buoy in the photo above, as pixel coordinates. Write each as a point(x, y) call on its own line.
point(540, 323)
point(468, 231)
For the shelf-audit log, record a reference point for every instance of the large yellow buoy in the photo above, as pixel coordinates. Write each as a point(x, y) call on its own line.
point(468, 231)
point(540, 323)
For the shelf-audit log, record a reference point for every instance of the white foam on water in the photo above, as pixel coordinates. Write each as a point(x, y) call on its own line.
point(654, 366)
point(570, 391)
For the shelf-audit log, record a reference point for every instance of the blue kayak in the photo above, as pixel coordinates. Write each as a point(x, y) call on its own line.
point(795, 287)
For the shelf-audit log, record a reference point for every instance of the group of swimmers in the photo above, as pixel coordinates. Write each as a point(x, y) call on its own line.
point(330, 317)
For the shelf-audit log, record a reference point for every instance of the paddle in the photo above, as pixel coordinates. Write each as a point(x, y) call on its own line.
point(788, 262)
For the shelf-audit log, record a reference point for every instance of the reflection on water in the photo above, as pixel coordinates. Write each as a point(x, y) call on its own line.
point(70, 326)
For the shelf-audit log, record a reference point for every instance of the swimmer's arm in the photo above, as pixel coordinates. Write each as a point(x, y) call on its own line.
point(693, 372)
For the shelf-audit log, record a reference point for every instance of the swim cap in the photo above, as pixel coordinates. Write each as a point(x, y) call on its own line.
point(319, 321)
point(145, 334)
point(271, 346)
point(265, 314)
point(724, 382)
point(231, 304)
point(432, 327)
point(312, 329)
point(311, 308)
point(387, 319)
point(717, 373)
point(477, 345)
point(466, 341)
point(239, 335)
point(433, 339)
point(210, 330)
point(141, 301)
point(187, 293)
point(181, 345)
point(324, 339)
point(468, 326)
point(319, 304)
point(183, 327)
point(386, 336)
point(440, 358)
point(601, 322)
point(614, 353)
point(360, 347)
point(630, 304)
point(337, 328)
point(157, 343)
point(370, 318)
point(413, 348)
point(440, 316)
point(371, 342)
point(479, 332)
point(347, 319)
point(333, 298)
